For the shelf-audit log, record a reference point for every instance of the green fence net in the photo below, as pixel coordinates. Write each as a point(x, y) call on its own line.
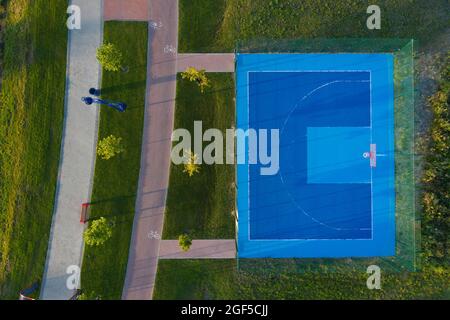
point(407, 224)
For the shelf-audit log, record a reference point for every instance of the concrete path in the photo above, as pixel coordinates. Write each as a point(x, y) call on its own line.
point(200, 249)
point(155, 159)
point(211, 62)
point(133, 10)
point(77, 153)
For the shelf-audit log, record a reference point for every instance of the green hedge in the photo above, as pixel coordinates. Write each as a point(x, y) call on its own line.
point(116, 179)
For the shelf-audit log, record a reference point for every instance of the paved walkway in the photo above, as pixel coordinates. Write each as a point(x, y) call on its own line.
point(200, 249)
point(211, 62)
point(155, 159)
point(134, 10)
point(77, 154)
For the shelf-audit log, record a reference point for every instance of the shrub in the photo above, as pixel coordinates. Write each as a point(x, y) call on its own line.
point(191, 165)
point(110, 57)
point(98, 232)
point(185, 242)
point(198, 76)
point(109, 147)
point(88, 296)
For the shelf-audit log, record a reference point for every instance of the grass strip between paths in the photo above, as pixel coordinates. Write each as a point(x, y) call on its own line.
point(116, 179)
point(202, 205)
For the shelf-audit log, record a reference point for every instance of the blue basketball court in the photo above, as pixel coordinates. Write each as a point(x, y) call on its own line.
point(334, 193)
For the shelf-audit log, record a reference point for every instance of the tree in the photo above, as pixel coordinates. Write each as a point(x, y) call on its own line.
point(198, 76)
point(110, 57)
point(98, 232)
point(109, 147)
point(191, 165)
point(185, 242)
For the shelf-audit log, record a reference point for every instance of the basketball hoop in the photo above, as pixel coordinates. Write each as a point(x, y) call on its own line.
point(372, 155)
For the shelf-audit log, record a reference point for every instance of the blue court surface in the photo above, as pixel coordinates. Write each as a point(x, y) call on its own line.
point(334, 192)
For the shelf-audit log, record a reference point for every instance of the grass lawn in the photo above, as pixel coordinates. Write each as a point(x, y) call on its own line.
point(31, 118)
point(116, 180)
point(214, 26)
point(202, 205)
point(219, 279)
point(208, 16)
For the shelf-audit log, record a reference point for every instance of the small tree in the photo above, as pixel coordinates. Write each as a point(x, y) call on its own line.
point(110, 57)
point(191, 165)
point(198, 76)
point(109, 147)
point(98, 232)
point(185, 242)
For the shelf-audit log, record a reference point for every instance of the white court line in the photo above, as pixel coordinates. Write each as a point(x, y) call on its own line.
point(371, 168)
point(290, 71)
point(284, 124)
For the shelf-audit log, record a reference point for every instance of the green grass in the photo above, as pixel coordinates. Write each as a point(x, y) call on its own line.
point(202, 205)
point(116, 180)
point(219, 279)
point(208, 16)
point(215, 26)
point(31, 118)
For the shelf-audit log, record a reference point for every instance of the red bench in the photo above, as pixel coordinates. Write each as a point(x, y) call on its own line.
point(84, 213)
